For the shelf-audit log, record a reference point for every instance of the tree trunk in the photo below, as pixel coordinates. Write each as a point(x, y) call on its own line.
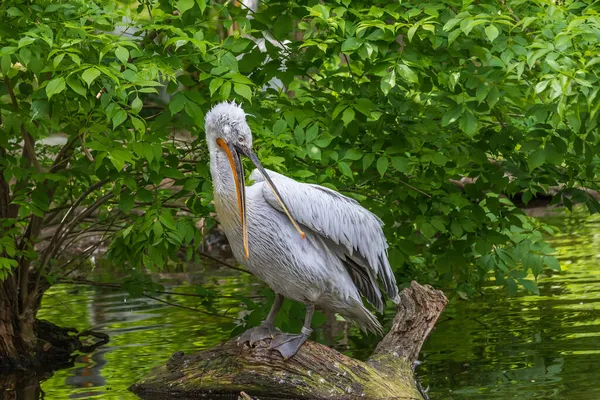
point(27, 343)
point(18, 341)
point(316, 372)
point(22, 386)
point(9, 346)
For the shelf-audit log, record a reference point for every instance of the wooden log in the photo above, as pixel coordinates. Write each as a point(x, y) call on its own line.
point(316, 372)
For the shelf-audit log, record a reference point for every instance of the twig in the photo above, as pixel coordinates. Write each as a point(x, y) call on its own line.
point(29, 146)
point(11, 92)
point(412, 187)
point(58, 237)
point(349, 67)
point(84, 256)
point(84, 214)
point(499, 119)
point(185, 307)
point(223, 263)
point(119, 286)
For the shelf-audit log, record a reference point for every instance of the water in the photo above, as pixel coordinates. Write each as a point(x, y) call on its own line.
point(530, 347)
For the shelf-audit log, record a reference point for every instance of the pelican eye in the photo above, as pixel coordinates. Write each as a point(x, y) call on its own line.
point(241, 139)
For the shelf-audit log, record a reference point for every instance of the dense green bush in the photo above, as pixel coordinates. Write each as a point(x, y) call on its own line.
point(388, 102)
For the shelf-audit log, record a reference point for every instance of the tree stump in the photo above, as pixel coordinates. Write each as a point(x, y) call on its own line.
point(316, 372)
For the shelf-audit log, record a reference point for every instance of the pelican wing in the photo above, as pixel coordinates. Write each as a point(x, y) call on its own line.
point(349, 230)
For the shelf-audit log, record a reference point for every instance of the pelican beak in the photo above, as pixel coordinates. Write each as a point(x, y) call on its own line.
point(237, 169)
point(248, 152)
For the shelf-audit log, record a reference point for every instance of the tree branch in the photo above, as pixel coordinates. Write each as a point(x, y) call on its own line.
point(186, 308)
point(223, 263)
point(58, 235)
point(89, 210)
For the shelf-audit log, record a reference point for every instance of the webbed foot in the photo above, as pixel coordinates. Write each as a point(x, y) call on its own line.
point(258, 333)
point(288, 344)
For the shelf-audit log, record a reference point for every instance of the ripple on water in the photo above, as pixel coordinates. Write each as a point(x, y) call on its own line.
point(530, 347)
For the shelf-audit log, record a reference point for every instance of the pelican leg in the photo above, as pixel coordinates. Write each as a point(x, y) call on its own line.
point(266, 330)
point(288, 344)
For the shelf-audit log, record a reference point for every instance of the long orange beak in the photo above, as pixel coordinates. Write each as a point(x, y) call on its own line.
point(237, 169)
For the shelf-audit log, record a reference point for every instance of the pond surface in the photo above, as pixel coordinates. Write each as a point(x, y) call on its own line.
point(529, 347)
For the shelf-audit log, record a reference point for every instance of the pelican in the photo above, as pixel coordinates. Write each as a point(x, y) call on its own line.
point(307, 242)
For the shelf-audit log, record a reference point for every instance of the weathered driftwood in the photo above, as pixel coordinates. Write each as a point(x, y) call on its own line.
point(316, 372)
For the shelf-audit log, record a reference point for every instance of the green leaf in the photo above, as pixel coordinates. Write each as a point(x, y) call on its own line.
point(55, 86)
point(313, 152)
point(184, 5)
point(530, 286)
point(126, 202)
point(345, 169)
point(201, 4)
point(57, 60)
point(482, 91)
point(14, 12)
point(453, 35)
point(552, 263)
point(312, 132)
point(225, 90)
point(452, 115)
point(122, 54)
point(5, 64)
point(177, 103)
point(364, 106)
point(352, 154)
point(351, 44)
point(243, 90)
point(439, 159)
point(118, 157)
point(533, 262)
point(491, 32)
point(26, 41)
point(136, 105)
point(411, 32)
point(348, 116)
point(427, 230)
point(279, 126)
point(25, 56)
point(382, 165)
point(541, 86)
point(493, 96)
point(119, 117)
point(367, 160)
point(324, 140)
point(388, 82)
point(303, 173)
point(138, 124)
point(283, 26)
point(536, 159)
point(511, 286)
point(456, 229)
point(89, 75)
point(468, 123)
point(299, 134)
point(401, 164)
point(214, 85)
point(407, 74)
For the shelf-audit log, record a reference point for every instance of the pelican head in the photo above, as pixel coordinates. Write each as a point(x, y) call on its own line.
point(227, 132)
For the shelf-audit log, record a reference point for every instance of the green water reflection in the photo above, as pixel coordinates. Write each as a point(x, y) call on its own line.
point(532, 347)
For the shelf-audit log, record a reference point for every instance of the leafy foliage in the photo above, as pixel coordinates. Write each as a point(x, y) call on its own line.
point(391, 103)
